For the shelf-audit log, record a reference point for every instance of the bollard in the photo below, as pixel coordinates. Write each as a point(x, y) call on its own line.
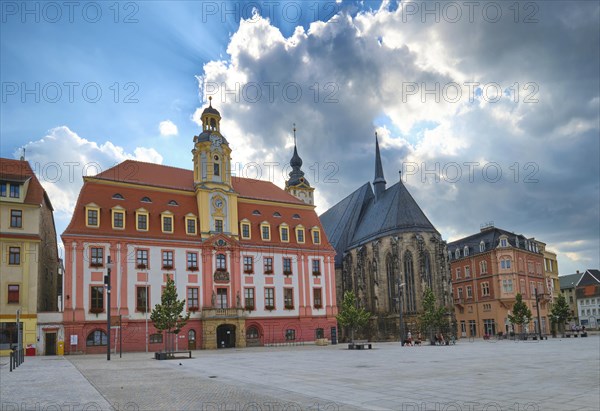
point(11, 361)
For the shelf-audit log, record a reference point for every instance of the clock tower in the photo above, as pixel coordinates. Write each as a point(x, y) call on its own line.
point(217, 201)
point(298, 185)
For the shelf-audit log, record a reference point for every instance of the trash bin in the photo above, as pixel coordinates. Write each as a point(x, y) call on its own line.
point(30, 350)
point(60, 348)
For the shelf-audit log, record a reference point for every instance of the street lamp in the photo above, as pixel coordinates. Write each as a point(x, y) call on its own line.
point(107, 283)
point(537, 307)
point(400, 285)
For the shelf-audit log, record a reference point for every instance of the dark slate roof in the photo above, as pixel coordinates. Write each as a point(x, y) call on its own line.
point(393, 212)
point(569, 281)
point(590, 277)
point(491, 238)
point(341, 220)
point(296, 175)
point(205, 136)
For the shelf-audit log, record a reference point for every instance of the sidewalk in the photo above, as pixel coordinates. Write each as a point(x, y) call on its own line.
point(47, 383)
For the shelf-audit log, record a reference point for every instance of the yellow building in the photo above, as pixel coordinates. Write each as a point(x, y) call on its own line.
point(28, 284)
point(550, 271)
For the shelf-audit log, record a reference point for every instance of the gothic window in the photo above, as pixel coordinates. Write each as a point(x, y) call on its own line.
point(392, 286)
point(410, 297)
point(428, 276)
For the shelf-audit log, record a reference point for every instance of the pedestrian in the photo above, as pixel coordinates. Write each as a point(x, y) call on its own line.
point(409, 340)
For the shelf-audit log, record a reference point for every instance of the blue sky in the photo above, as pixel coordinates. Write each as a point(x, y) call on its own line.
point(372, 64)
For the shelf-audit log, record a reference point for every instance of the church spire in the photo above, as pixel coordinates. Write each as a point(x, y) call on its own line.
point(298, 185)
point(379, 182)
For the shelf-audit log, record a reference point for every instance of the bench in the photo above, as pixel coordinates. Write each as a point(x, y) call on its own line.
point(359, 345)
point(171, 355)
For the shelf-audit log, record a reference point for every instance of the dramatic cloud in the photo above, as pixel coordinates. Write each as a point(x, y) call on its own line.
point(167, 128)
point(489, 121)
point(62, 158)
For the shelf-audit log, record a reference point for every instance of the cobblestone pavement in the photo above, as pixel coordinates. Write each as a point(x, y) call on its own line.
point(558, 374)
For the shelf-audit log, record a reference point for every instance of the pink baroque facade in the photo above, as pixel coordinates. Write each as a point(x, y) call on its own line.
point(251, 260)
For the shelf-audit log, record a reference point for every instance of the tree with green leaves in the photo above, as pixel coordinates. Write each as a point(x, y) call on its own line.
point(351, 315)
point(560, 313)
point(433, 317)
point(521, 314)
point(167, 316)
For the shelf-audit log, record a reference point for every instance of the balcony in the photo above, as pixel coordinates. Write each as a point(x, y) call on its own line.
point(209, 312)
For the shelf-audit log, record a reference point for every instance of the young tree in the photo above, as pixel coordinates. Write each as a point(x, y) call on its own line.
point(351, 315)
point(521, 314)
point(560, 313)
point(166, 316)
point(433, 317)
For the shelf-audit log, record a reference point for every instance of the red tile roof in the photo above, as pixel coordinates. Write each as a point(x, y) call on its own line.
point(159, 176)
point(20, 171)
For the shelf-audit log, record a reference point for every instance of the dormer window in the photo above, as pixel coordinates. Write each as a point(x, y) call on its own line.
point(256, 212)
point(265, 231)
point(466, 251)
point(118, 196)
point(146, 200)
point(296, 216)
point(173, 203)
point(482, 246)
point(92, 215)
point(276, 214)
point(457, 254)
point(245, 226)
point(316, 235)
point(118, 218)
point(166, 222)
point(503, 242)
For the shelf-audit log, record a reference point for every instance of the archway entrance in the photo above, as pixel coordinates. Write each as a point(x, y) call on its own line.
point(226, 336)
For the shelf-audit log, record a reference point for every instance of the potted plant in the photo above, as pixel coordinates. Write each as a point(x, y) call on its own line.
point(141, 266)
point(167, 267)
point(269, 307)
point(96, 310)
point(96, 265)
point(287, 272)
point(316, 273)
point(193, 268)
point(249, 307)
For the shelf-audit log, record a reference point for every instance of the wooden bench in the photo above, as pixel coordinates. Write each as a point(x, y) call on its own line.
point(171, 355)
point(359, 345)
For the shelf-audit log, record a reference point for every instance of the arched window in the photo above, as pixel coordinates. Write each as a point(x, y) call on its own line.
point(392, 286)
point(428, 275)
point(146, 200)
point(173, 203)
point(221, 262)
point(118, 196)
point(466, 251)
point(192, 335)
point(216, 170)
point(96, 338)
point(410, 297)
point(456, 254)
point(252, 332)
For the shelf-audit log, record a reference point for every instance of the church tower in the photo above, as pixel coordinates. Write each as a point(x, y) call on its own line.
point(217, 201)
point(298, 185)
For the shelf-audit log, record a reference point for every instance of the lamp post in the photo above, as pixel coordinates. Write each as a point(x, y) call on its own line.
point(146, 310)
point(107, 283)
point(400, 285)
point(537, 307)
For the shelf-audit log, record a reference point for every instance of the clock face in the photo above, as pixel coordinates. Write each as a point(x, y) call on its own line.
point(218, 203)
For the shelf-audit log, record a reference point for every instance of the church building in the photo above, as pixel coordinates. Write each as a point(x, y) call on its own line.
point(388, 252)
point(251, 260)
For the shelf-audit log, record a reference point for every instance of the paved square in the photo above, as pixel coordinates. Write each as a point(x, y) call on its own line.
point(557, 374)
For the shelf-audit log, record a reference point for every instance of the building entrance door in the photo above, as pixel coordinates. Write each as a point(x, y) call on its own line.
point(50, 346)
point(191, 339)
point(226, 336)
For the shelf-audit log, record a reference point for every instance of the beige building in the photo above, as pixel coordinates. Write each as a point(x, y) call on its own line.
point(489, 269)
point(29, 265)
point(550, 271)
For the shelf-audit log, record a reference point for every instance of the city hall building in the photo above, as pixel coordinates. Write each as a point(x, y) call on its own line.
point(250, 259)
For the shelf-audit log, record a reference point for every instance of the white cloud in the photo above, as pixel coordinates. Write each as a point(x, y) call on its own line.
point(355, 70)
point(62, 158)
point(167, 128)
